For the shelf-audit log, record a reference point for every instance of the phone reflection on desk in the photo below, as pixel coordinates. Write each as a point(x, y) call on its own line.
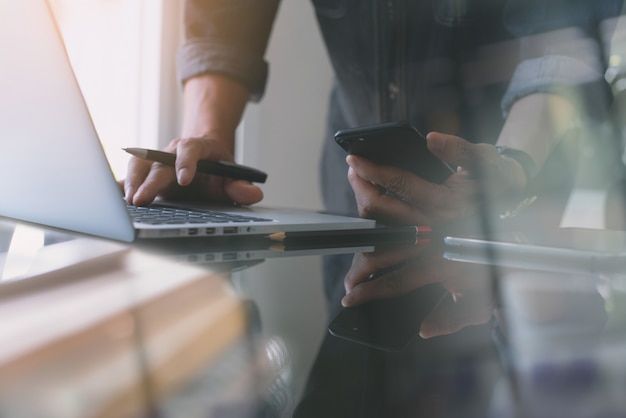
point(395, 295)
point(398, 295)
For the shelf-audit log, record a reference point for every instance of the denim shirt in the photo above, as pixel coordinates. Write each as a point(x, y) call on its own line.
point(455, 66)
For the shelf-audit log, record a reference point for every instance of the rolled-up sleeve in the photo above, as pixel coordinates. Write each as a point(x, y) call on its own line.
point(558, 74)
point(561, 52)
point(227, 37)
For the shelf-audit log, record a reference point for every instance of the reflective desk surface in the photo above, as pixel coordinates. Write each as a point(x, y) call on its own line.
point(243, 329)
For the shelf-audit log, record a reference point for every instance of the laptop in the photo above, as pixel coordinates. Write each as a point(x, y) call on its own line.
point(53, 168)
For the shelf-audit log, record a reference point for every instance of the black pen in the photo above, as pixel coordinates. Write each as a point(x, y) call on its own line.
point(218, 168)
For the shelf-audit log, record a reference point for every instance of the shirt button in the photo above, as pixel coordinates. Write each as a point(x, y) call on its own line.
point(393, 91)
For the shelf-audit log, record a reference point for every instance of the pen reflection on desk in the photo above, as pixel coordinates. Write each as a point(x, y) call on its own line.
point(218, 168)
point(380, 234)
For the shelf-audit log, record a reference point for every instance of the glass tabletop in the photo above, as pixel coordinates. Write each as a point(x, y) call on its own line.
point(360, 331)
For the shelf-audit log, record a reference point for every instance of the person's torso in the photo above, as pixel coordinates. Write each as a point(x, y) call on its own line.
point(438, 64)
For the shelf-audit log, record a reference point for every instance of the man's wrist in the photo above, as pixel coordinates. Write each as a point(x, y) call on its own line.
point(525, 161)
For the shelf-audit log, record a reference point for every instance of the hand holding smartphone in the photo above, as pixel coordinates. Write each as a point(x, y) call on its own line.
point(396, 144)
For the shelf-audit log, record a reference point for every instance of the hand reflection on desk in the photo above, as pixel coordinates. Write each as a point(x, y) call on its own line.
point(394, 272)
point(539, 349)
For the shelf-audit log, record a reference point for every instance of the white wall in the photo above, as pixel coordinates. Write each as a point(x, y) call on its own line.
point(283, 134)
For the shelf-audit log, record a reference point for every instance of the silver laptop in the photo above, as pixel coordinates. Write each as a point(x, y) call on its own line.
point(53, 168)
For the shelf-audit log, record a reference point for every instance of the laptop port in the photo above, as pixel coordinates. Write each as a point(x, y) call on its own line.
point(192, 231)
point(230, 230)
point(209, 231)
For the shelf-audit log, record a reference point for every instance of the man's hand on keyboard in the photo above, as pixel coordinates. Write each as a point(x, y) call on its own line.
point(164, 215)
point(146, 179)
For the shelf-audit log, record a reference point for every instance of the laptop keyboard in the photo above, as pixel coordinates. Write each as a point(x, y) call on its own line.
point(163, 215)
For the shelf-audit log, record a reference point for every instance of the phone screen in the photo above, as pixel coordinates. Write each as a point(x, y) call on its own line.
point(396, 144)
point(388, 324)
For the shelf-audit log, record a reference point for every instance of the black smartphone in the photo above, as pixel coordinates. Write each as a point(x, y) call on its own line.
point(397, 144)
point(388, 324)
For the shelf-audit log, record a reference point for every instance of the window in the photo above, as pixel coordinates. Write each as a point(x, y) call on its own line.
point(123, 54)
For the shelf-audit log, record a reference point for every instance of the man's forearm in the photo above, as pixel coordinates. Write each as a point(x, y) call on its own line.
point(536, 122)
point(213, 106)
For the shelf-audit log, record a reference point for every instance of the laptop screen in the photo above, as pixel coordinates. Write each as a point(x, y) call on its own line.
point(53, 167)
